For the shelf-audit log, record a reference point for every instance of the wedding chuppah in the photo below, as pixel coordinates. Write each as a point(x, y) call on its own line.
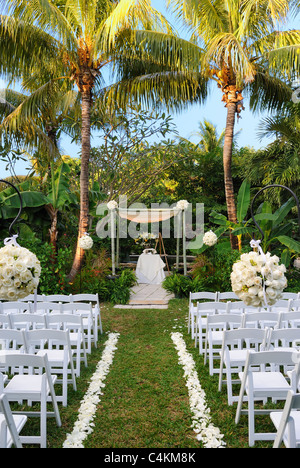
point(150, 266)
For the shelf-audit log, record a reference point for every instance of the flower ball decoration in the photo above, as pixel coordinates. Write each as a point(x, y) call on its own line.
point(112, 205)
point(86, 242)
point(20, 272)
point(258, 279)
point(182, 205)
point(210, 238)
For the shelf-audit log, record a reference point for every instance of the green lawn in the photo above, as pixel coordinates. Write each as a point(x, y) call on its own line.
point(145, 402)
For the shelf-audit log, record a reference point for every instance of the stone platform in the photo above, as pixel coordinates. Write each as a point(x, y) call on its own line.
point(148, 296)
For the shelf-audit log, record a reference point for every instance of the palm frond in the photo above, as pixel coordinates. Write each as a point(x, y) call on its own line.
point(171, 91)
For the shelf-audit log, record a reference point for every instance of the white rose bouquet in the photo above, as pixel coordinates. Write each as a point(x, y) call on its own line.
point(258, 279)
point(20, 272)
point(210, 238)
point(86, 242)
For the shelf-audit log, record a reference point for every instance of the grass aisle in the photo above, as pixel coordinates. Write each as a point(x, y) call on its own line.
point(145, 401)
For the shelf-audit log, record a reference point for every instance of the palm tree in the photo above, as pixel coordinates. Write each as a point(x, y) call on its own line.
point(209, 138)
point(239, 46)
point(73, 42)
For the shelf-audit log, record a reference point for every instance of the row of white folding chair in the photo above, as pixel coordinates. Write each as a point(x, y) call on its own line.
point(34, 383)
point(83, 309)
point(67, 322)
point(70, 298)
point(267, 382)
point(250, 318)
point(10, 425)
point(218, 297)
point(55, 343)
point(204, 309)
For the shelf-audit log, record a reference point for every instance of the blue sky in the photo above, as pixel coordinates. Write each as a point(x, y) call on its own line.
point(188, 121)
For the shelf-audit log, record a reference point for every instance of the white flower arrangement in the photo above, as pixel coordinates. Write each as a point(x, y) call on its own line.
point(201, 424)
point(84, 424)
point(86, 242)
point(182, 205)
point(258, 279)
point(20, 272)
point(112, 205)
point(145, 238)
point(210, 238)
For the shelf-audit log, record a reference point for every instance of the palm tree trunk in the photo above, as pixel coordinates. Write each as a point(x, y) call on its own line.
point(227, 161)
point(84, 179)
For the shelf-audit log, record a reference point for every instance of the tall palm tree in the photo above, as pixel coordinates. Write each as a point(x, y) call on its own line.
point(73, 42)
point(240, 46)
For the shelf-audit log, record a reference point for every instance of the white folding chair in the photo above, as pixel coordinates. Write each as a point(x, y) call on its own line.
point(283, 305)
point(86, 312)
point(12, 340)
point(42, 308)
point(57, 298)
point(229, 295)
point(33, 387)
point(73, 324)
point(295, 305)
point(195, 297)
point(237, 307)
point(56, 344)
point(27, 321)
point(5, 321)
point(284, 338)
point(290, 319)
point(235, 347)
point(94, 299)
point(32, 298)
point(261, 320)
point(289, 295)
point(13, 307)
point(203, 310)
point(10, 425)
point(263, 384)
point(216, 325)
point(287, 422)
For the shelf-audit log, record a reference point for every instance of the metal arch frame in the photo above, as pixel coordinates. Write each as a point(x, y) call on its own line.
point(274, 186)
point(21, 205)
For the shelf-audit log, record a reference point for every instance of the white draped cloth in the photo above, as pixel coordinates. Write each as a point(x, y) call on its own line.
point(150, 269)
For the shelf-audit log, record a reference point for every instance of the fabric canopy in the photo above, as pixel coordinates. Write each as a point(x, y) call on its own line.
point(145, 216)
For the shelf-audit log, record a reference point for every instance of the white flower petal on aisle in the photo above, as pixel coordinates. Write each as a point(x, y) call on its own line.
point(202, 425)
point(84, 424)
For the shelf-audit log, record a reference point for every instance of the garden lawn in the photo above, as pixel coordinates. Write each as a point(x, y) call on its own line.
point(145, 400)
